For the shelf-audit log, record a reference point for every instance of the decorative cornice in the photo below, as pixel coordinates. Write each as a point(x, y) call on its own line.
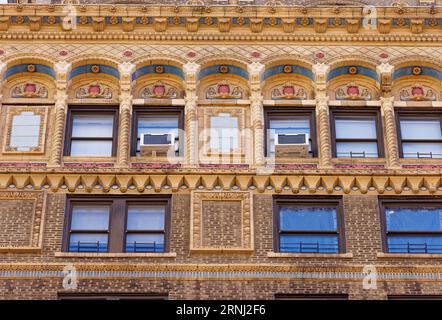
point(169, 183)
point(208, 36)
point(219, 272)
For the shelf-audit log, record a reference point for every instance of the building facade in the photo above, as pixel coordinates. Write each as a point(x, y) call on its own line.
point(221, 150)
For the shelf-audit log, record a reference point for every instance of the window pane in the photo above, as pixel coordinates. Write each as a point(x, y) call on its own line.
point(25, 131)
point(26, 119)
point(291, 125)
point(308, 219)
point(91, 217)
point(357, 149)
point(427, 129)
point(356, 128)
point(411, 244)
point(145, 217)
point(423, 150)
point(309, 243)
point(91, 148)
point(224, 133)
point(414, 219)
point(145, 243)
point(88, 242)
point(159, 125)
point(93, 126)
point(26, 142)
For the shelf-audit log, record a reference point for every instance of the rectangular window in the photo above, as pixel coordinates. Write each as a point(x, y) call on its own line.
point(25, 131)
point(305, 226)
point(117, 225)
point(420, 135)
point(224, 133)
point(158, 122)
point(145, 228)
point(89, 230)
point(357, 135)
point(91, 133)
point(412, 227)
point(289, 121)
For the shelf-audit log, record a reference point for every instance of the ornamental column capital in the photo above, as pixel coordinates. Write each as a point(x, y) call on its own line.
point(320, 73)
point(62, 69)
point(385, 73)
point(255, 69)
point(191, 70)
point(126, 69)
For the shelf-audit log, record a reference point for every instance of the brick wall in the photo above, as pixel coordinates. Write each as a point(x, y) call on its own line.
point(362, 233)
point(221, 224)
point(16, 222)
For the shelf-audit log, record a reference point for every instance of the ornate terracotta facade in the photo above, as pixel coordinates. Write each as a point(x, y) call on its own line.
point(211, 61)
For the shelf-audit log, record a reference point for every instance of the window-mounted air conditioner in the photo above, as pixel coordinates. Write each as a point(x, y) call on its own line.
point(154, 144)
point(294, 145)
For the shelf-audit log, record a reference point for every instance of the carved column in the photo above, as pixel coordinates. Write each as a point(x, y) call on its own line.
point(126, 69)
point(62, 69)
point(257, 111)
point(385, 72)
point(320, 72)
point(3, 68)
point(191, 70)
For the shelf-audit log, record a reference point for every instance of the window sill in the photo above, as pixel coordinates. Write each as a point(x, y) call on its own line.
point(355, 103)
point(420, 161)
point(113, 255)
point(89, 159)
point(383, 255)
point(144, 159)
point(291, 160)
point(368, 161)
point(20, 250)
point(310, 255)
point(289, 102)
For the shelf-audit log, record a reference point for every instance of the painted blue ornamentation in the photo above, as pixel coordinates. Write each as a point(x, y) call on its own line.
point(154, 68)
point(425, 71)
point(282, 69)
point(21, 68)
point(111, 71)
point(232, 70)
point(361, 71)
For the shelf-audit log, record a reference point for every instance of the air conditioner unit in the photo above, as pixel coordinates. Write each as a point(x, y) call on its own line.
point(154, 144)
point(295, 145)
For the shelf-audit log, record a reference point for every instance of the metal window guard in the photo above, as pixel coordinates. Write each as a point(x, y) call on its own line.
point(308, 247)
point(144, 247)
point(415, 248)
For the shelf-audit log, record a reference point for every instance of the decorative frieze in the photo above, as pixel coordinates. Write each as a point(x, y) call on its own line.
point(319, 184)
point(29, 90)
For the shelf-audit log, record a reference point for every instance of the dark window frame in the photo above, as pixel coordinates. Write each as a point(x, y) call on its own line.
point(139, 111)
point(355, 114)
point(117, 218)
point(422, 113)
point(335, 202)
point(270, 112)
point(95, 110)
point(401, 201)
